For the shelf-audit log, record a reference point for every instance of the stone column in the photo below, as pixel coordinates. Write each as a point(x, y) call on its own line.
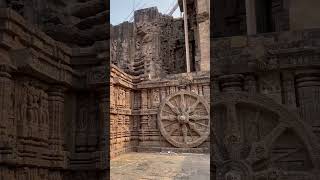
point(251, 17)
point(56, 117)
point(308, 88)
point(5, 89)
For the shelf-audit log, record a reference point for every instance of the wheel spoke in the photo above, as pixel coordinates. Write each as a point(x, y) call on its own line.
point(193, 127)
point(185, 133)
point(173, 108)
point(286, 154)
point(276, 132)
point(190, 133)
point(169, 112)
point(173, 130)
point(176, 103)
point(193, 107)
point(202, 124)
point(256, 122)
point(183, 103)
point(169, 124)
point(168, 117)
point(198, 117)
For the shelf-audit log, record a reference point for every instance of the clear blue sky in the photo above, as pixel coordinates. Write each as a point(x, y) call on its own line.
point(121, 9)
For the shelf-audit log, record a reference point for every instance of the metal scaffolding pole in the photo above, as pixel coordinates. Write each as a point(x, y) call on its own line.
point(185, 15)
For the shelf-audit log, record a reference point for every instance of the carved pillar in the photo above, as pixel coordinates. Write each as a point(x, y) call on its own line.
point(5, 106)
point(144, 98)
point(144, 122)
point(308, 88)
point(56, 116)
point(103, 117)
point(104, 126)
point(289, 90)
point(232, 136)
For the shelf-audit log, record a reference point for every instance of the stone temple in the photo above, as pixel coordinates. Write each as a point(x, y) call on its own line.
point(53, 97)
point(155, 103)
point(265, 89)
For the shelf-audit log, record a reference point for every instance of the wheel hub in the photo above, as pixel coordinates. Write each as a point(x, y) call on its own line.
point(183, 119)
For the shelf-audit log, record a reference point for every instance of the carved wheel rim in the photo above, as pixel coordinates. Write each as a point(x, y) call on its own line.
point(184, 119)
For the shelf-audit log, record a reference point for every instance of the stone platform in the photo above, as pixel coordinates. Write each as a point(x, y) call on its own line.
point(160, 166)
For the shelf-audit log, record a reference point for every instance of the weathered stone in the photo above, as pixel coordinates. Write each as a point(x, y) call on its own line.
point(52, 95)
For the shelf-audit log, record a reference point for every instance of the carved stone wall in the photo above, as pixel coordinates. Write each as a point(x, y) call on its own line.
point(174, 114)
point(52, 103)
point(147, 115)
point(265, 102)
point(123, 126)
point(150, 47)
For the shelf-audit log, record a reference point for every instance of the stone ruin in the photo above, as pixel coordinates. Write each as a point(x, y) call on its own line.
point(53, 95)
point(265, 90)
point(155, 105)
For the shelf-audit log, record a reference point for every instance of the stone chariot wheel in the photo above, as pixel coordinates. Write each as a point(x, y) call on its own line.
point(184, 119)
point(258, 138)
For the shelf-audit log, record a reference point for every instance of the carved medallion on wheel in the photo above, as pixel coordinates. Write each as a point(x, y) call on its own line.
point(184, 119)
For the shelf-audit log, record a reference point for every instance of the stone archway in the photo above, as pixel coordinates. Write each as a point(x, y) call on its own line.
point(257, 138)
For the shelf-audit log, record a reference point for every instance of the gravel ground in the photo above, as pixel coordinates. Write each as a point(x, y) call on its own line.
point(161, 166)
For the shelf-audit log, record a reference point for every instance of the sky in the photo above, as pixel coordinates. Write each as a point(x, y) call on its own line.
point(120, 10)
